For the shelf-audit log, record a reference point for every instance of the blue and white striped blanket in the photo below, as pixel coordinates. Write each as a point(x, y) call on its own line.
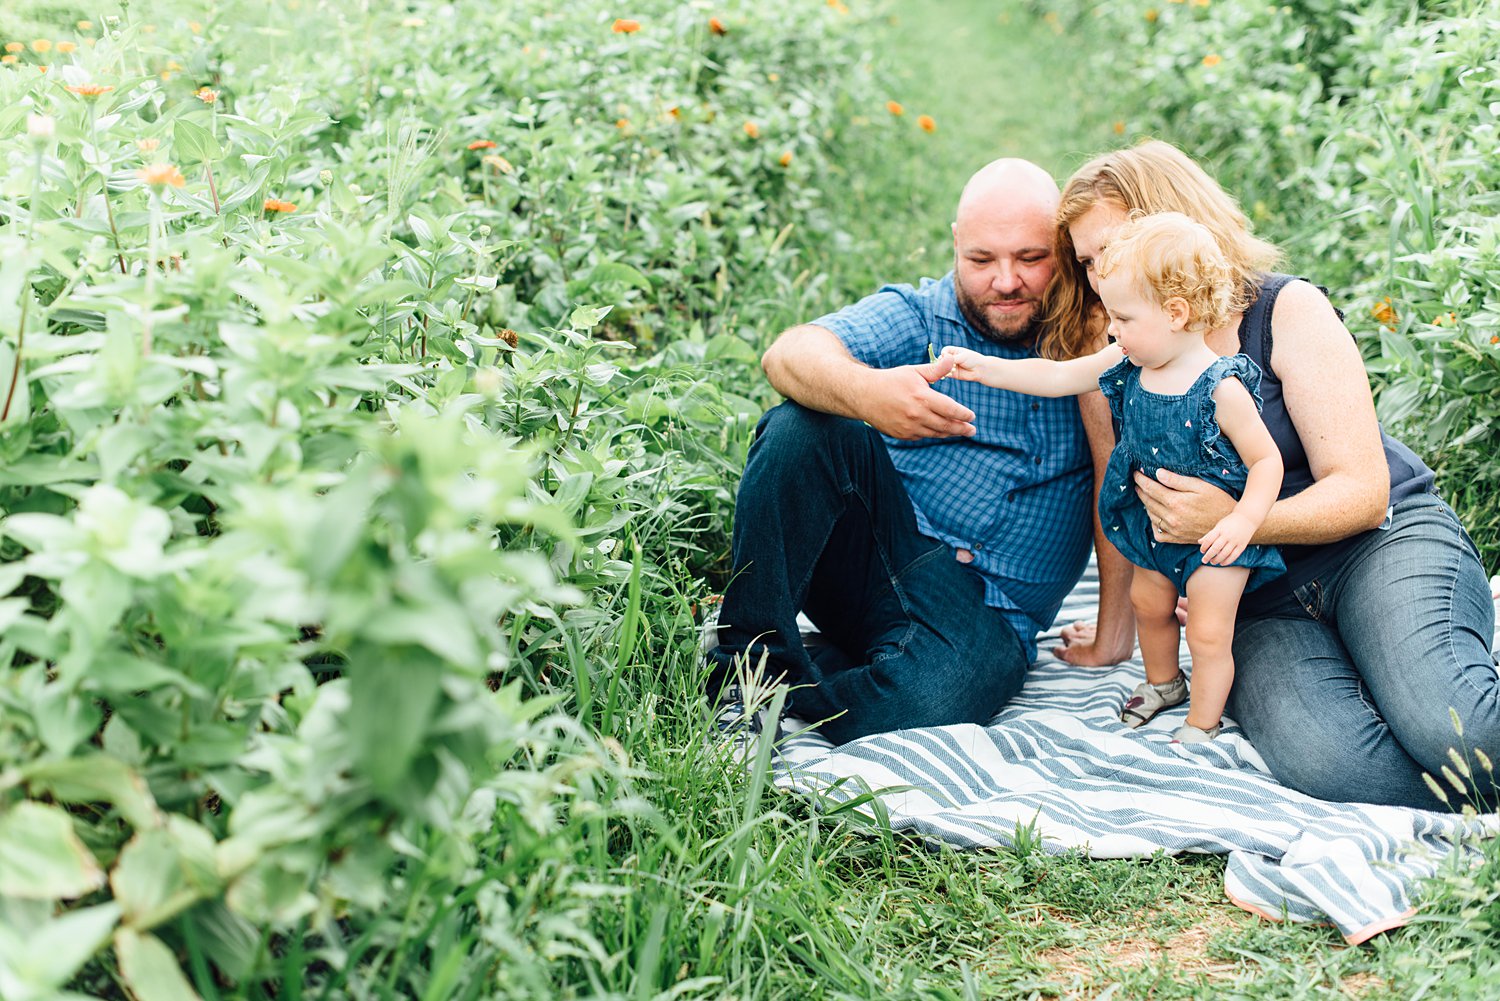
point(1058, 761)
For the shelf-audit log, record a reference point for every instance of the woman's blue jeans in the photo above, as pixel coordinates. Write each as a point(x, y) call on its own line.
point(1350, 687)
point(824, 526)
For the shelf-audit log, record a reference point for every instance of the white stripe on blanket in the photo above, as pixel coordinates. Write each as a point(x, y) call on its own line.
point(1058, 760)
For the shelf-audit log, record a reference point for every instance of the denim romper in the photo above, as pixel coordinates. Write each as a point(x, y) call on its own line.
point(1179, 433)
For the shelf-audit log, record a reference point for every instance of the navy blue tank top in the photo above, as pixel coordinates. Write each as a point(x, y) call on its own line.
point(1409, 474)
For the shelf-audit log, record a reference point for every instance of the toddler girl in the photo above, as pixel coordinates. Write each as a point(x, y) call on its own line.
point(1177, 405)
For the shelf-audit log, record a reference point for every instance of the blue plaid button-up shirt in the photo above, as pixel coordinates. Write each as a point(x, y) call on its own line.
point(1017, 494)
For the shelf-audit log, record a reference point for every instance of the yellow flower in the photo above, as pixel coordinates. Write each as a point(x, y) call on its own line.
point(1152, 14)
point(1212, 59)
point(85, 25)
point(15, 46)
point(41, 45)
point(9, 59)
point(159, 175)
point(66, 47)
point(147, 145)
point(195, 27)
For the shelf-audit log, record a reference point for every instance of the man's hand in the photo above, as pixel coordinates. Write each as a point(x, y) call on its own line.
point(1081, 647)
point(1182, 509)
point(902, 403)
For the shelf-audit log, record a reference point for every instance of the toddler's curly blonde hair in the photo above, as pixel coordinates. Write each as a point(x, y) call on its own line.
point(1171, 256)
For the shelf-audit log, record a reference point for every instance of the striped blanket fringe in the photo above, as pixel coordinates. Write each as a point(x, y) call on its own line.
point(1057, 767)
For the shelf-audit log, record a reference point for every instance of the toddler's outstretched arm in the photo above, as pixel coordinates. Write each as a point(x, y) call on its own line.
point(1036, 376)
point(1241, 424)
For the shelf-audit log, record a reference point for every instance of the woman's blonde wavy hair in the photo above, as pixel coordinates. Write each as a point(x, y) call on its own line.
point(1152, 177)
point(1169, 256)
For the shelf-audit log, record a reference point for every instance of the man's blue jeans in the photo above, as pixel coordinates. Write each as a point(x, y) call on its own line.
point(1345, 688)
point(823, 526)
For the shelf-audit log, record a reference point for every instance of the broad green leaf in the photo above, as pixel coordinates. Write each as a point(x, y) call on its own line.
point(45, 957)
point(41, 857)
point(394, 695)
point(163, 871)
point(150, 969)
point(588, 317)
point(193, 143)
point(96, 778)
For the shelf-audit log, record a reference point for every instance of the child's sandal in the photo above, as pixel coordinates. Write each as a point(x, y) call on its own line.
point(1147, 700)
point(1189, 734)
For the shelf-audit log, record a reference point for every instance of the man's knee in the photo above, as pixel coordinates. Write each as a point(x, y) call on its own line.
point(790, 429)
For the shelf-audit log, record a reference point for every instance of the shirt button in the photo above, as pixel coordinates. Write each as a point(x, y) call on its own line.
point(1037, 461)
point(1036, 406)
point(1011, 498)
point(978, 546)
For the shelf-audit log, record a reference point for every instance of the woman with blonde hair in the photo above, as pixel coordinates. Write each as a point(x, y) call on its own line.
point(1353, 667)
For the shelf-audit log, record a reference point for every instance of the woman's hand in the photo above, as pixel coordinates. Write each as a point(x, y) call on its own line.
point(1182, 509)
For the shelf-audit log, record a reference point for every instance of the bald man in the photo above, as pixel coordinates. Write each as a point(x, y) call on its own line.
point(929, 528)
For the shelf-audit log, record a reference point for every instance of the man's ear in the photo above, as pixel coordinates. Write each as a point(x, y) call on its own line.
point(1178, 312)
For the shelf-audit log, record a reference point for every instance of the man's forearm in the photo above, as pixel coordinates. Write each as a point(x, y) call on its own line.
point(810, 365)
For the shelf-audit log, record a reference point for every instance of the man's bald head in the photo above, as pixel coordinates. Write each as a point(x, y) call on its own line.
point(1011, 186)
point(1002, 248)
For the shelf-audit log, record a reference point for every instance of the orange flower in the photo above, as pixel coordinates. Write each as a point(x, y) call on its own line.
point(1385, 313)
point(675, 113)
point(894, 107)
point(15, 46)
point(1445, 319)
point(1495, 338)
point(41, 45)
point(1212, 59)
point(66, 47)
point(85, 25)
point(1152, 14)
point(717, 27)
point(195, 27)
point(147, 145)
point(752, 130)
point(1119, 128)
point(41, 69)
point(499, 162)
point(89, 89)
point(622, 124)
point(277, 205)
point(206, 94)
point(482, 144)
point(785, 159)
point(9, 58)
point(926, 124)
point(159, 175)
point(625, 26)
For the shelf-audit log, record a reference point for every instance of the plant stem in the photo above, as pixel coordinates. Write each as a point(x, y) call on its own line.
point(15, 371)
point(209, 170)
point(109, 213)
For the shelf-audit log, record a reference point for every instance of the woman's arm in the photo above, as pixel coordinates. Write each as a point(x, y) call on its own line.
point(1327, 396)
point(1036, 376)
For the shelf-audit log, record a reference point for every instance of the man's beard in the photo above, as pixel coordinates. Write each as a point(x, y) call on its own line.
point(1023, 332)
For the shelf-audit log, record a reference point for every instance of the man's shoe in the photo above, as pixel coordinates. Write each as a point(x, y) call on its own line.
point(742, 723)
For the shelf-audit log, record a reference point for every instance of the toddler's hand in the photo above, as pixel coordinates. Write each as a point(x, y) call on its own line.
point(1226, 540)
point(966, 364)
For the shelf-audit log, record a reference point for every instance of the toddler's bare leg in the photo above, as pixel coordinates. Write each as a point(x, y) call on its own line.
point(1213, 599)
point(1155, 600)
